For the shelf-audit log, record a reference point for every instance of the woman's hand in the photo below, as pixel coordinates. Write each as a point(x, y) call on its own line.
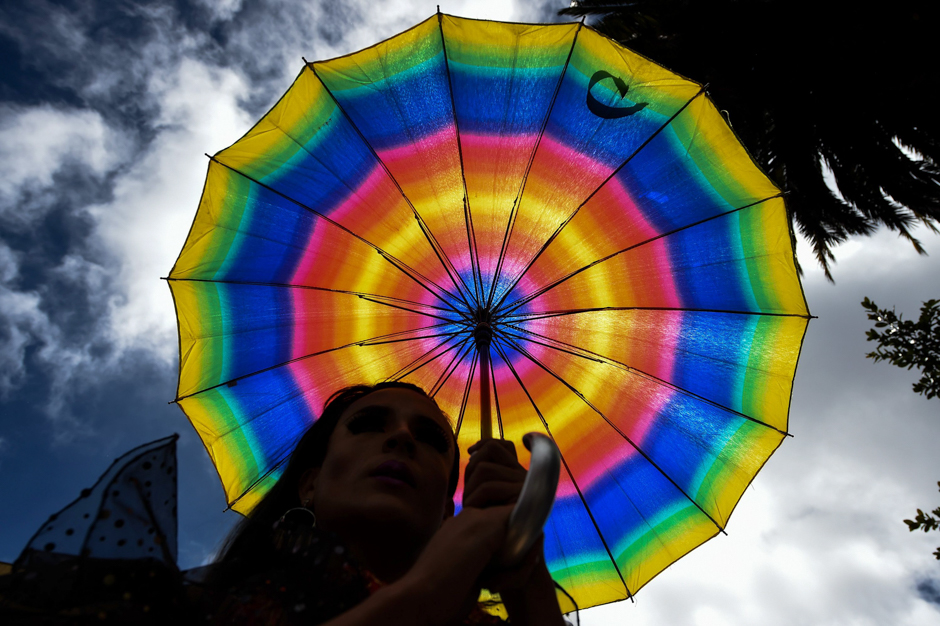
point(445, 579)
point(494, 477)
point(443, 585)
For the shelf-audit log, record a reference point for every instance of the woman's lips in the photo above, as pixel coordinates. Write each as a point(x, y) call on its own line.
point(394, 471)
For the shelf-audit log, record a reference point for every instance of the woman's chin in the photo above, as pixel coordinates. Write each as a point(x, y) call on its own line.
point(387, 508)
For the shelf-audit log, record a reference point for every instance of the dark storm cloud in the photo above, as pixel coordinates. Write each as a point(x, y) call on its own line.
point(92, 91)
point(54, 287)
point(82, 105)
point(98, 54)
point(88, 68)
point(105, 111)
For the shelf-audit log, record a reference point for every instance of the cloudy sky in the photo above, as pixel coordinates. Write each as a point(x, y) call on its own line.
point(106, 110)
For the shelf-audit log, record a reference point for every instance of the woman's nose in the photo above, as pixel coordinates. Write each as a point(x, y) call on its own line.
point(399, 438)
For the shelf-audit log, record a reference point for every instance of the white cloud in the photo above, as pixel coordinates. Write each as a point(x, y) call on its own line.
point(841, 561)
point(135, 235)
point(144, 226)
point(199, 109)
point(222, 10)
point(25, 326)
point(37, 142)
point(22, 320)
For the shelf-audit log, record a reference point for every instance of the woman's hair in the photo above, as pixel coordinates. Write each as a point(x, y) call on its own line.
point(250, 535)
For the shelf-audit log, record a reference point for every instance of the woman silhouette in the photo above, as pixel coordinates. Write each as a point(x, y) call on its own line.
point(360, 528)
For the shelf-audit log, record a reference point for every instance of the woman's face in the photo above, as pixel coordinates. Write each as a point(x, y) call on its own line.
point(388, 461)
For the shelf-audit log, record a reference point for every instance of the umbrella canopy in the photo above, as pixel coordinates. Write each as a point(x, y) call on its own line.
point(593, 208)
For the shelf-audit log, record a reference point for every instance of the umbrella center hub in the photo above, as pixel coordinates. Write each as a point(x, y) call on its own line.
point(483, 329)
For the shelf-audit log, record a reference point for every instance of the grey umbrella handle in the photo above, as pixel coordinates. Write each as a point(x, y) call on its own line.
point(535, 501)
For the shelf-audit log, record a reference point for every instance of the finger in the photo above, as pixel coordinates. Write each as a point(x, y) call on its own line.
point(492, 494)
point(499, 454)
point(502, 447)
point(487, 472)
point(478, 532)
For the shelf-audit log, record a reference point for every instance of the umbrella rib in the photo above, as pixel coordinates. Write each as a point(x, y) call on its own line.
point(572, 352)
point(281, 462)
point(362, 342)
point(521, 301)
point(432, 241)
point(371, 297)
point(574, 481)
point(515, 205)
point(593, 193)
point(548, 314)
point(304, 148)
point(649, 460)
point(449, 335)
point(368, 299)
point(467, 215)
point(451, 368)
point(399, 375)
point(578, 352)
point(466, 393)
point(258, 480)
point(401, 266)
point(241, 425)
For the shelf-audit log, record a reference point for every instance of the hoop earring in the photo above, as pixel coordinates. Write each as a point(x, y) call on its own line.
point(283, 519)
point(294, 532)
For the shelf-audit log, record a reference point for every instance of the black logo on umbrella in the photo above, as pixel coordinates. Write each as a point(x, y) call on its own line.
point(608, 112)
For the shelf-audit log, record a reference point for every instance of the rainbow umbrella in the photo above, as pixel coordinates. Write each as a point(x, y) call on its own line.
point(635, 266)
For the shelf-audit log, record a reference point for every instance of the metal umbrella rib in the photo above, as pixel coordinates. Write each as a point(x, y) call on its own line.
point(432, 241)
point(522, 301)
point(398, 303)
point(568, 471)
point(567, 220)
point(364, 342)
point(548, 314)
point(412, 274)
point(426, 358)
point(468, 215)
point(515, 205)
point(599, 358)
point(636, 447)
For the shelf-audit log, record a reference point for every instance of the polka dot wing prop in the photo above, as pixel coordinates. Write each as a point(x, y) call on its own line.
point(129, 513)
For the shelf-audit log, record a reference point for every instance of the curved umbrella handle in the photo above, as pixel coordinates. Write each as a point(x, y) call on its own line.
point(535, 501)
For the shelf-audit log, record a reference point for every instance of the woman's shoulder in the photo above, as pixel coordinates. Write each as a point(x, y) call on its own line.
point(310, 585)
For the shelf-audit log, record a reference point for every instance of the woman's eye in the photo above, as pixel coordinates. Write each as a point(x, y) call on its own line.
point(366, 422)
point(434, 437)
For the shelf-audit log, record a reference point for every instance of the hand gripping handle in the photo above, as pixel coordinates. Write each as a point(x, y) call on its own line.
point(535, 501)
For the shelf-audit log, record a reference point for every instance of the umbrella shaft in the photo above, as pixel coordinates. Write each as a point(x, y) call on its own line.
point(486, 419)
